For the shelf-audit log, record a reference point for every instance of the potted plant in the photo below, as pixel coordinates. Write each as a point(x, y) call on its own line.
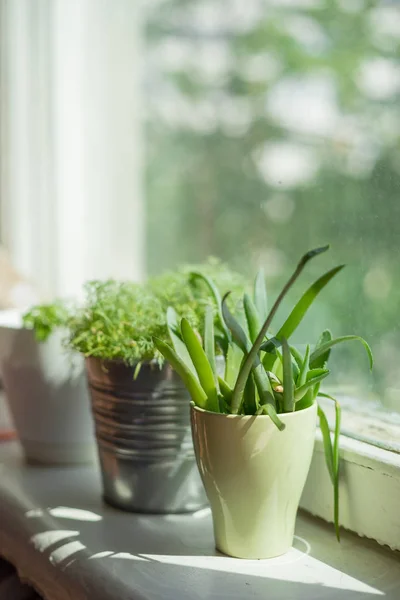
point(254, 428)
point(45, 386)
point(140, 406)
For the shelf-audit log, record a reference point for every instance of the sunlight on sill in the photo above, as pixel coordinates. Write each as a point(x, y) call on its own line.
point(45, 539)
point(65, 512)
point(308, 570)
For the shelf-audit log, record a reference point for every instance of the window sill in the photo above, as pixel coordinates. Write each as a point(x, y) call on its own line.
point(66, 543)
point(369, 490)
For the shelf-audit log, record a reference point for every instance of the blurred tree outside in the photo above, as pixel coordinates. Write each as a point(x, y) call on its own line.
point(274, 126)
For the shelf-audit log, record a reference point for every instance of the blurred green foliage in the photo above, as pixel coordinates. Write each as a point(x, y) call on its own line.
point(231, 84)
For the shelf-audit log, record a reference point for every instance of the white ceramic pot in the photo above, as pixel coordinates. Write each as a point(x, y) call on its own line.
point(253, 475)
point(47, 395)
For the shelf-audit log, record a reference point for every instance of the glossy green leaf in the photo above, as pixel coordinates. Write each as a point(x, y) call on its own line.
point(297, 356)
point(178, 345)
point(226, 390)
point(240, 337)
point(137, 370)
point(249, 360)
point(269, 410)
point(288, 393)
point(253, 320)
point(335, 461)
point(191, 382)
point(214, 291)
point(321, 350)
point(202, 366)
point(302, 390)
point(260, 295)
point(322, 360)
point(326, 438)
point(264, 388)
point(208, 340)
point(249, 405)
point(302, 377)
point(299, 311)
point(238, 334)
point(233, 360)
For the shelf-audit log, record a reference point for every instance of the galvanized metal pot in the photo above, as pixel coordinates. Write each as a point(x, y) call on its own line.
point(144, 438)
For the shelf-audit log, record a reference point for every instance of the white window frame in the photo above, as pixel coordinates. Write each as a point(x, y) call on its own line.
point(70, 180)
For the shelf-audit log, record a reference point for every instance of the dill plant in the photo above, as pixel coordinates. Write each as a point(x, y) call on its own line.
point(119, 320)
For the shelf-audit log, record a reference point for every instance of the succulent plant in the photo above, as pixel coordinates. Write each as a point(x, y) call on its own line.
point(264, 374)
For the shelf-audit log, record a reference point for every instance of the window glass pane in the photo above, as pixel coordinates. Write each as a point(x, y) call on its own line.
point(272, 127)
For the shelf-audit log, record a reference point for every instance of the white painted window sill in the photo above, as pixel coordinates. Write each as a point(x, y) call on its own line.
point(65, 542)
point(369, 490)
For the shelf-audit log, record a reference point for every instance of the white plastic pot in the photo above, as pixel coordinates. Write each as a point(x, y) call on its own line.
point(47, 396)
point(253, 475)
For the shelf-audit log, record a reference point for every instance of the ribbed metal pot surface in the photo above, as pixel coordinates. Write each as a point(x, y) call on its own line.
point(144, 438)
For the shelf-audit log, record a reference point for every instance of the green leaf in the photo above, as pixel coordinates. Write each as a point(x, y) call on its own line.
point(249, 405)
point(233, 360)
point(253, 320)
point(326, 438)
point(202, 366)
point(265, 392)
point(178, 345)
point(214, 291)
point(260, 295)
point(191, 382)
point(321, 350)
point(238, 334)
point(302, 390)
point(226, 390)
point(288, 396)
point(299, 311)
point(302, 377)
point(269, 410)
point(137, 370)
point(209, 345)
point(249, 360)
point(322, 360)
point(297, 357)
point(335, 461)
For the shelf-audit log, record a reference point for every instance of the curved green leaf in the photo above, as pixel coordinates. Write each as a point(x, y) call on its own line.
point(321, 350)
point(249, 360)
point(299, 311)
point(322, 360)
point(233, 360)
point(201, 364)
point(209, 340)
point(178, 345)
point(226, 390)
point(302, 390)
point(302, 378)
point(288, 393)
point(238, 334)
point(335, 461)
point(253, 320)
point(214, 291)
point(326, 438)
point(191, 382)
